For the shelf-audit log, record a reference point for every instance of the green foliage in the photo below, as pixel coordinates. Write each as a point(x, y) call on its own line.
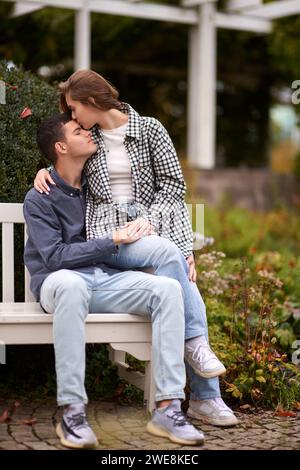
point(20, 158)
point(253, 305)
point(30, 371)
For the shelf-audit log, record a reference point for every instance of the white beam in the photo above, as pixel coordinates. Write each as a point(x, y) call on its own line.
point(243, 23)
point(193, 3)
point(23, 8)
point(275, 10)
point(202, 90)
point(74, 5)
point(82, 44)
point(236, 5)
point(150, 11)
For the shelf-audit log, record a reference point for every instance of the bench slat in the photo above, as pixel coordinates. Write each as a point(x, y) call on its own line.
point(8, 275)
point(11, 212)
point(29, 297)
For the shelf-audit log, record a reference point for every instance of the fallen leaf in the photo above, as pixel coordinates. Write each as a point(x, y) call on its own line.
point(286, 413)
point(29, 422)
point(5, 416)
point(25, 113)
point(245, 407)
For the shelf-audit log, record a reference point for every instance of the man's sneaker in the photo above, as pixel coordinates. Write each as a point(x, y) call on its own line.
point(74, 430)
point(202, 359)
point(172, 423)
point(212, 411)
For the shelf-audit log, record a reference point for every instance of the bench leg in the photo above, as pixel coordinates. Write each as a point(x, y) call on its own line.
point(145, 382)
point(149, 390)
point(116, 356)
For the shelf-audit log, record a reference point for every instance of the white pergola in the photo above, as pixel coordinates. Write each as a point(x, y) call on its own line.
point(203, 19)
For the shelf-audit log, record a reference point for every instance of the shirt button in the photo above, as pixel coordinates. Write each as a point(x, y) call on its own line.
point(71, 194)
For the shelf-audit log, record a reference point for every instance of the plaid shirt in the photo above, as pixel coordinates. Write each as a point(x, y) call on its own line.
point(158, 184)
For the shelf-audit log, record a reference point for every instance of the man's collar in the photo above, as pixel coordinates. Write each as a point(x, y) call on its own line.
point(64, 186)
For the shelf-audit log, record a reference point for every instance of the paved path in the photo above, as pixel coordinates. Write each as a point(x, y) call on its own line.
point(32, 426)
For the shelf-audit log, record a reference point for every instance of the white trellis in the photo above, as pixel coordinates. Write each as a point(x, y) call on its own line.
point(203, 19)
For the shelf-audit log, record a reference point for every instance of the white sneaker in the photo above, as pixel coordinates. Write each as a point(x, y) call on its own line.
point(213, 411)
point(74, 430)
point(172, 423)
point(202, 359)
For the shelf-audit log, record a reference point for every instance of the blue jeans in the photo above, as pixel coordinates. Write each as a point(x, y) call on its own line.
point(70, 295)
point(167, 260)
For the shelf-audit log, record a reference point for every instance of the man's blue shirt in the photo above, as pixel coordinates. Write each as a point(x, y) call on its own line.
point(56, 234)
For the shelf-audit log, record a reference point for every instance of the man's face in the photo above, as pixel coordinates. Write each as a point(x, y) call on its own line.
point(78, 142)
point(84, 114)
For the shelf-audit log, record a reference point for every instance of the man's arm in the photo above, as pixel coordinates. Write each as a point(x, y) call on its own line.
point(45, 232)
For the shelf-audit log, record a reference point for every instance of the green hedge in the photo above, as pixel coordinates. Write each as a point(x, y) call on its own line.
point(20, 158)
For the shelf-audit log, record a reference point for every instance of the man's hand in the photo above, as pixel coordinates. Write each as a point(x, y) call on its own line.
point(131, 233)
point(40, 182)
point(192, 268)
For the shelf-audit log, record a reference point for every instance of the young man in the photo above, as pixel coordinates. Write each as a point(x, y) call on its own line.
point(69, 279)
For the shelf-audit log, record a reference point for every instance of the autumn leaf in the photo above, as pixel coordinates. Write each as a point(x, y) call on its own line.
point(4, 417)
point(285, 413)
point(245, 407)
point(29, 422)
point(11, 87)
point(25, 113)
point(261, 379)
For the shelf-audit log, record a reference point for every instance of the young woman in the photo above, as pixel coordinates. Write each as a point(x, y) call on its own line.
point(135, 177)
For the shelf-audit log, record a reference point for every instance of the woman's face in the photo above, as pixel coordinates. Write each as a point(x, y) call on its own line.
point(84, 114)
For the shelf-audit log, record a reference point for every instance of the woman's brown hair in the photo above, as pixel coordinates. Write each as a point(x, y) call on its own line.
point(85, 84)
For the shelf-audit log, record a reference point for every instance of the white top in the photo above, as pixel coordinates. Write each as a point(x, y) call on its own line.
point(118, 164)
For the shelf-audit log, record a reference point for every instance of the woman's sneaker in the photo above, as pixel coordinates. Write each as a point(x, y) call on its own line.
point(212, 411)
point(202, 359)
point(172, 423)
point(74, 430)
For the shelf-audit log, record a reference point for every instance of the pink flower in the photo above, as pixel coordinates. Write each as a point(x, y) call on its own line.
point(25, 113)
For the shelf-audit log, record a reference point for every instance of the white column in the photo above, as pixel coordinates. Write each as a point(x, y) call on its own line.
point(82, 44)
point(202, 90)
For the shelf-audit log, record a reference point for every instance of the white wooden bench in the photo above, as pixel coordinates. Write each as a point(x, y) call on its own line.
point(26, 323)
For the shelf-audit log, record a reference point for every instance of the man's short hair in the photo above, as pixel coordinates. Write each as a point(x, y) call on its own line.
point(49, 132)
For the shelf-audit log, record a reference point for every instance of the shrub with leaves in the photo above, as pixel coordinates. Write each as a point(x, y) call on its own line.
point(245, 305)
point(29, 100)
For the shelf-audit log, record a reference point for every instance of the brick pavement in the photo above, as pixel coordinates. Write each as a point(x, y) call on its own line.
point(123, 427)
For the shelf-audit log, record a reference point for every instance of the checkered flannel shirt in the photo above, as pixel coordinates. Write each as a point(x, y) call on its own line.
point(158, 184)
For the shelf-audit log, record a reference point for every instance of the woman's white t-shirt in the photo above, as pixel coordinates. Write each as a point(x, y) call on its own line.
point(118, 164)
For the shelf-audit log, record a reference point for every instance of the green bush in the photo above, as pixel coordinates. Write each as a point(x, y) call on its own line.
point(20, 158)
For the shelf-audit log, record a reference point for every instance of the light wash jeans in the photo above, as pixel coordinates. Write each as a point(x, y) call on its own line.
point(167, 260)
point(70, 295)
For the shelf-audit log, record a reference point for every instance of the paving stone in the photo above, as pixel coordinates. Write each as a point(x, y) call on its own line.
point(123, 427)
point(12, 445)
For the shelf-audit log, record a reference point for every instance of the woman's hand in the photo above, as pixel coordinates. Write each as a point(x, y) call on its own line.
point(40, 182)
point(133, 231)
point(140, 228)
point(192, 268)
